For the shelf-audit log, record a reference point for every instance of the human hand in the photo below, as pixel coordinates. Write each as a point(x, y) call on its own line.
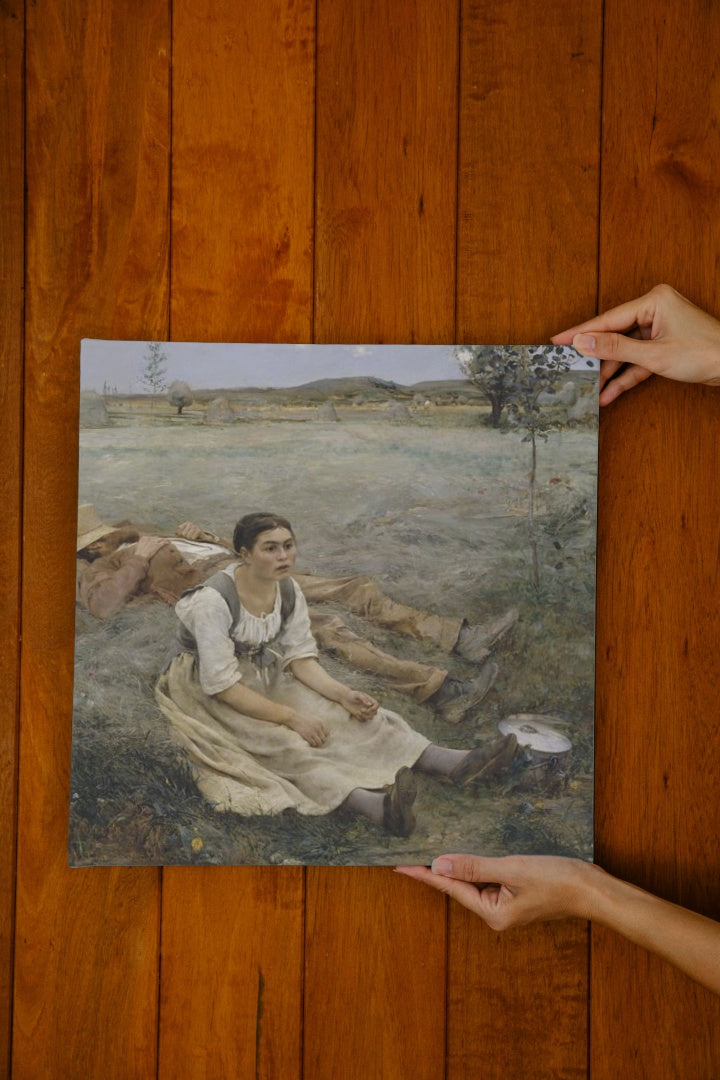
point(514, 890)
point(660, 333)
point(361, 706)
point(190, 531)
point(313, 731)
point(147, 546)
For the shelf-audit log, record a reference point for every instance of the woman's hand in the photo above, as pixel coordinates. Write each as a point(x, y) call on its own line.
point(521, 889)
point(249, 702)
point(660, 333)
point(361, 706)
point(511, 891)
point(313, 731)
point(307, 670)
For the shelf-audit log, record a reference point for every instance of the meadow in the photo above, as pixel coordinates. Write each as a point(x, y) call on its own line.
point(434, 505)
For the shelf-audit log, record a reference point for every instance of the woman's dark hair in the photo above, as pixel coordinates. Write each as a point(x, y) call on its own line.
point(249, 528)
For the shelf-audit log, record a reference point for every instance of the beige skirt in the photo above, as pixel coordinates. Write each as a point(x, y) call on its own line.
point(251, 766)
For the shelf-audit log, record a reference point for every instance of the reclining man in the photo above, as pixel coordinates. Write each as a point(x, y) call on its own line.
point(117, 564)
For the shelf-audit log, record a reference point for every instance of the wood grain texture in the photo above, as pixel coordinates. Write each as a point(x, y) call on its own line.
point(97, 179)
point(231, 996)
point(384, 272)
point(243, 107)
point(386, 171)
point(661, 144)
point(517, 1002)
point(657, 748)
point(12, 241)
point(528, 169)
point(658, 745)
point(527, 261)
point(375, 976)
point(396, 83)
point(243, 132)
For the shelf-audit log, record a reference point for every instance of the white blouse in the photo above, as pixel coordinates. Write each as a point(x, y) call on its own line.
point(208, 618)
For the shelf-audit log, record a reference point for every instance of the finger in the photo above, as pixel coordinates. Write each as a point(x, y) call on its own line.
point(608, 368)
point(421, 873)
point(628, 378)
point(462, 891)
point(473, 868)
point(621, 349)
point(566, 337)
point(623, 317)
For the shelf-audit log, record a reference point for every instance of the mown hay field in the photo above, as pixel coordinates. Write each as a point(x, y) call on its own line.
point(435, 507)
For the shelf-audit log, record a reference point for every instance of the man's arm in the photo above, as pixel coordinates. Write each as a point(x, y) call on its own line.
point(188, 530)
point(106, 585)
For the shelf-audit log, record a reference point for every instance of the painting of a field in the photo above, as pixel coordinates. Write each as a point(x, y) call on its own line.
point(450, 503)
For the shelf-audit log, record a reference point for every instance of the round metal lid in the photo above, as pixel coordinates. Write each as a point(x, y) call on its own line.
point(534, 731)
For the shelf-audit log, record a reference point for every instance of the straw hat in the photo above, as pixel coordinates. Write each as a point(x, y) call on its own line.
point(89, 526)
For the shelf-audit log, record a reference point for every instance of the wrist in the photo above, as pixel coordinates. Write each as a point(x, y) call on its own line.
point(600, 894)
point(584, 889)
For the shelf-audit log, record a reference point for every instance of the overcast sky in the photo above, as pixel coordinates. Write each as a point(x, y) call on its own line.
point(205, 365)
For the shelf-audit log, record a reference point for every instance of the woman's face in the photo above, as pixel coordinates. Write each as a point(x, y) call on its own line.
point(272, 555)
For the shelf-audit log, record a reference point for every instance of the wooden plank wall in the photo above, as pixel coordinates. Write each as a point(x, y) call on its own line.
point(11, 368)
point(370, 170)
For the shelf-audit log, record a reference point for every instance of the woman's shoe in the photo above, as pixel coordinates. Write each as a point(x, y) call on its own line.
point(398, 814)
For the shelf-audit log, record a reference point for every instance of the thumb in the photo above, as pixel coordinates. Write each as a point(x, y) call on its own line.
point(620, 349)
point(467, 868)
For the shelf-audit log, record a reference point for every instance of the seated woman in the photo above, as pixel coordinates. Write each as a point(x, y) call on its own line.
point(265, 726)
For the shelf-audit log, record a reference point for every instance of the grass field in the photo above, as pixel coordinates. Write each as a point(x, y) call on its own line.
point(435, 507)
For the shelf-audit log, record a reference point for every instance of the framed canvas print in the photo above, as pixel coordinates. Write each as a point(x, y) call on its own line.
point(335, 603)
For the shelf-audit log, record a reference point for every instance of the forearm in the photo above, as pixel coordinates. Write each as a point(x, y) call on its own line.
point(313, 675)
point(250, 703)
point(190, 531)
point(213, 538)
point(685, 939)
point(105, 590)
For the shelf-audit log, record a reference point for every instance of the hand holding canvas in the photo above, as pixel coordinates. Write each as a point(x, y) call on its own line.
point(660, 333)
point(510, 891)
point(521, 889)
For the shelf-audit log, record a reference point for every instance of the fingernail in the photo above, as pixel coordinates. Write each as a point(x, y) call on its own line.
point(584, 343)
point(442, 866)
